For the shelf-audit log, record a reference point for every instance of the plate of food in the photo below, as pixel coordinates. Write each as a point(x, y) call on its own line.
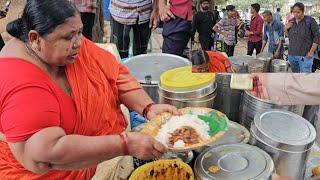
point(195, 127)
point(163, 169)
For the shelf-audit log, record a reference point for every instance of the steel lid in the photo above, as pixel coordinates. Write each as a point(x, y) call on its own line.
point(283, 130)
point(242, 60)
point(279, 62)
point(153, 65)
point(236, 161)
point(265, 56)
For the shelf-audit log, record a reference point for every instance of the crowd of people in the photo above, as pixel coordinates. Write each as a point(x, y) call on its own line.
point(265, 28)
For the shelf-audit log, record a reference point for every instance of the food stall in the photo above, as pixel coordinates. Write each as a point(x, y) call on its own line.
point(248, 138)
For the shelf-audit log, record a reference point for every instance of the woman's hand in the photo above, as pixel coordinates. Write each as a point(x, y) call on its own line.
point(259, 86)
point(144, 147)
point(161, 108)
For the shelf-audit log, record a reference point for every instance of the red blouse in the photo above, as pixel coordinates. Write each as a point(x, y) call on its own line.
point(30, 101)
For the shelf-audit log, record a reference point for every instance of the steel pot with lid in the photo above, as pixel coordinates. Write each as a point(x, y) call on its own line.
point(240, 63)
point(147, 69)
point(266, 57)
point(256, 67)
point(234, 161)
point(279, 65)
point(227, 99)
point(182, 88)
point(286, 137)
point(251, 105)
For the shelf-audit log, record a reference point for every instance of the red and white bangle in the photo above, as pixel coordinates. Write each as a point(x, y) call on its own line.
point(124, 144)
point(146, 110)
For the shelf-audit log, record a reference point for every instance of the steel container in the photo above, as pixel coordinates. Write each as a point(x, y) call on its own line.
point(201, 97)
point(286, 137)
point(266, 57)
point(240, 63)
point(251, 105)
point(279, 65)
point(227, 99)
point(234, 161)
point(256, 67)
point(147, 69)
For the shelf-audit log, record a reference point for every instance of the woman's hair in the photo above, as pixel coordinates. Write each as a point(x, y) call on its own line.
point(299, 5)
point(41, 16)
point(199, 57)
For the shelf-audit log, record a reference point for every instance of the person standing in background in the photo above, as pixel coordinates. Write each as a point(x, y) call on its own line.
point(255, 32)
point(139, 16)
point(277, 15)
point(216, 13)
point(273, 35)
point(87, 9)
point(223, 13)
point(177, 16)
point(203, 22)
point(238, 19)
point(227, 28)
point(304, 38)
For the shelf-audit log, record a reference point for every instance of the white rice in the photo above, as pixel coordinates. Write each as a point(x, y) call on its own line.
point(176, 122)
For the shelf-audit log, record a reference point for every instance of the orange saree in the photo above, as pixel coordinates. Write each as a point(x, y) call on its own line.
point(96, 79)
point(218, 63)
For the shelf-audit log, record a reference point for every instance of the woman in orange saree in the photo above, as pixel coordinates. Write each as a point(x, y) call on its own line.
point(60, 99)
point(210, 61)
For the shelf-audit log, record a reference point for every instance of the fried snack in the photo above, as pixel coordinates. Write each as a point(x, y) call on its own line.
point(163, 170)
point(316, 171)
point(214, 169)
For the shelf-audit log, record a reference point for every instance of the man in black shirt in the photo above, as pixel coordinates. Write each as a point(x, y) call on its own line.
point(203, 22)
point(216, 13)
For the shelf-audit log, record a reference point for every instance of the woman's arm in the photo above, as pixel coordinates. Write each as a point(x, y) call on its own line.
point(51, 148)
point(136, 100)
